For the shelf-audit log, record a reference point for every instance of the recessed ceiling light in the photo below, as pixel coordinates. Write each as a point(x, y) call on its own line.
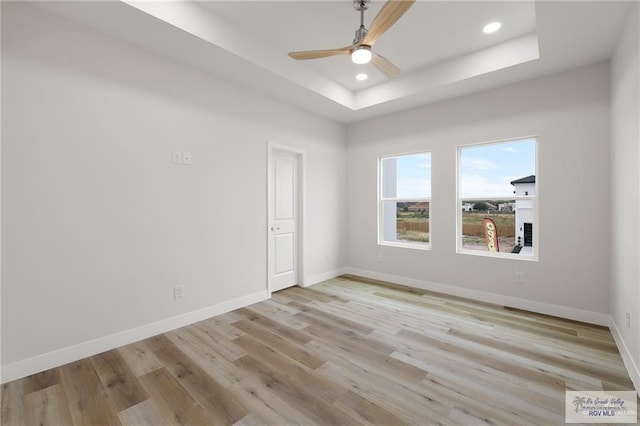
point(492, 27)
point(361, 77)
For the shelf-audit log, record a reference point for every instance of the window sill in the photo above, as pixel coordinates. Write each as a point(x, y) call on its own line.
point(426, 247)
point(512, 256)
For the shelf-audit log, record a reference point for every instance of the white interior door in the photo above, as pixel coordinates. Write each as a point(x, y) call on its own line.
point(283, 220)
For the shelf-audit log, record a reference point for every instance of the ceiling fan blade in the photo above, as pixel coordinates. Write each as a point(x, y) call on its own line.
point(315, 54)
point(388, 15)
point(385, 65)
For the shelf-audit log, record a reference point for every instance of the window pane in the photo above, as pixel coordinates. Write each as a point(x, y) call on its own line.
point(513, 221)
point(406, 221)
point(491, 170)
point(407, 176)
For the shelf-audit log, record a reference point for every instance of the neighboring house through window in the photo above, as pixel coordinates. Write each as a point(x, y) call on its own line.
point(524, 187)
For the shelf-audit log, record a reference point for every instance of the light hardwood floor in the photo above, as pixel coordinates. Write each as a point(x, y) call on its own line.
point(344, 352)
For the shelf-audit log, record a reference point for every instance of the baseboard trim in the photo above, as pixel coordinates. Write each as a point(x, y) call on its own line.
point(498, 299)
point(629, 363)
point(315, 279)
point(69, 354)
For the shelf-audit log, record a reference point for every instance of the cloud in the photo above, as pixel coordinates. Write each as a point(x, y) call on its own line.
point(509, 149)
point(471, 164)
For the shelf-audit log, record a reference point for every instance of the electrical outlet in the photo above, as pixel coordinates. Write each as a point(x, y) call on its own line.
point(627, 319)
point(178, 291)
point(519, 278)
point(186, 158)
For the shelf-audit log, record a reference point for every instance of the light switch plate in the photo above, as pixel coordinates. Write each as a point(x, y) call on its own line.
point(177, 157)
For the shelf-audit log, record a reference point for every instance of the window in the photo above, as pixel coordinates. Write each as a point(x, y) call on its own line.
point(497, 206)
point(404, 199)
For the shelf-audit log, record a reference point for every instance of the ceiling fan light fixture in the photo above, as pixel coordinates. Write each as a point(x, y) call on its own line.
point(361, 55)
point(362, 76)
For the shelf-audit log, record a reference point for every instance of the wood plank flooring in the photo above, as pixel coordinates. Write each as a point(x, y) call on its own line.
point(345, 352)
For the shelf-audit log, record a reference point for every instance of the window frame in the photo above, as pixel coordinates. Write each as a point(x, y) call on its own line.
point(534, 198)
point(381, 200)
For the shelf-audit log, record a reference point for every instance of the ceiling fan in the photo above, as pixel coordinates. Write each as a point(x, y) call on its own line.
point(360, 49)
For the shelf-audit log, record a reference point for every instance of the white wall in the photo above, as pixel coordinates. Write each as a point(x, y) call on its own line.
point(569, 113)
point(625, 191)
point(98, 225)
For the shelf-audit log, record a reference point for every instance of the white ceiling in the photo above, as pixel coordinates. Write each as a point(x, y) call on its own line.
point(429, 33)
point(439, 45)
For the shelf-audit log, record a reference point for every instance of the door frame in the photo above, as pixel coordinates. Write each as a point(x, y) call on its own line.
point(300, 221)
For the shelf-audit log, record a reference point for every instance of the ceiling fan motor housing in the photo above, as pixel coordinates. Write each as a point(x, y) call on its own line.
point(361, 33)
point(360, 6)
